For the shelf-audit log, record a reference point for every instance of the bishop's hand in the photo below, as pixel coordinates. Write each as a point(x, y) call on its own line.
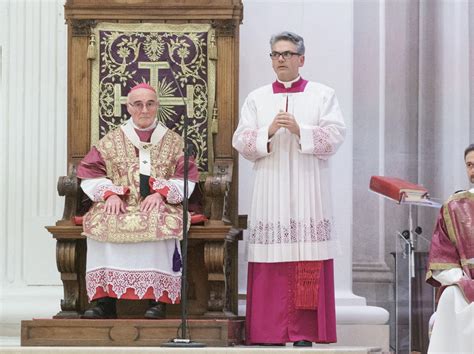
point(150, 202)
point(114, 205)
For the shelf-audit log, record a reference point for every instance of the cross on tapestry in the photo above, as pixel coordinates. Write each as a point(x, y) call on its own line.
point(147, 52)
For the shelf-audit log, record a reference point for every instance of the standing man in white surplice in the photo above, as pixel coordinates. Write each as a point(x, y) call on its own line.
point(290, 129)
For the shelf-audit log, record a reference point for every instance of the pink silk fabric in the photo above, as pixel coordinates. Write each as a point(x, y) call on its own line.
point(272, 317)
point(452, 244)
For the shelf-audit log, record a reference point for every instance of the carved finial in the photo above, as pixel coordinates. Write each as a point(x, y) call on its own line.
point(212, 52)
point(91, 48)
point(215, 121)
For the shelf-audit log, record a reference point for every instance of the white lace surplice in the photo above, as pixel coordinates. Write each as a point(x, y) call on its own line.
point(291, 218)
point(132, 265)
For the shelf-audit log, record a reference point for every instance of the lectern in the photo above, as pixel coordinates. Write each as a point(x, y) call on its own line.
point(409, 267)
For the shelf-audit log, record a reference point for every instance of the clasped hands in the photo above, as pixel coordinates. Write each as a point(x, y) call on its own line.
point(284, 120)
point(115, 205)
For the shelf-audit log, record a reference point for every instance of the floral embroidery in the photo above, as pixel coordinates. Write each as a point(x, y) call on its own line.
point(321, 142)
point(275, 233)
point(174, 196)
point(100, 191)
point(139, 281)
point(250, 141)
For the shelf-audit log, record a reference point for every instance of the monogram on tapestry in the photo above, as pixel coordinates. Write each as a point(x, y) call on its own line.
point(173, 59)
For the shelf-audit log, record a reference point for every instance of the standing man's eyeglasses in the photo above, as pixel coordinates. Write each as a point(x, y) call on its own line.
point(285, 55)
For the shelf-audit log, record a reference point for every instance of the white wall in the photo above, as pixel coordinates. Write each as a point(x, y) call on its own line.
point(33, 144)
point(446, 127)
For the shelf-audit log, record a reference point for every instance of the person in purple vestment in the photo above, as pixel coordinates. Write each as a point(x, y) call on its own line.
point(451, 267)
point(290, 129)
point(134, 176)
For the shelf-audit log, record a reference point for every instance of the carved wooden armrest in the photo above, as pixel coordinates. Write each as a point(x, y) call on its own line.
point(68, 186)
point(216, 191)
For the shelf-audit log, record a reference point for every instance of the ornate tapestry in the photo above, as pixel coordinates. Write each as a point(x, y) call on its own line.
point(174, 59)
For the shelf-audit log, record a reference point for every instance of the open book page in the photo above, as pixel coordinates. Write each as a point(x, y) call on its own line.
point(413, 195)
point(422, 202)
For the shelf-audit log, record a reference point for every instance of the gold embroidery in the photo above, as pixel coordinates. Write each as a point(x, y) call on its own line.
point(449, 219)
point(441, 266)
point(164, 222)
point(145, 52)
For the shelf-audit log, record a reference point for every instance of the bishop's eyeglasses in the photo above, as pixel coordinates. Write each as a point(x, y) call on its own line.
point(140, 105)
point(285, 55)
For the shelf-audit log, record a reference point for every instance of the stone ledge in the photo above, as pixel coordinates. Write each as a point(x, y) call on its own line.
point(361, 315)
point(371, 273)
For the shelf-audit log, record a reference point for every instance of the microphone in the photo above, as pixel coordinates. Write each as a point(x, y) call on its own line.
point(187, 150)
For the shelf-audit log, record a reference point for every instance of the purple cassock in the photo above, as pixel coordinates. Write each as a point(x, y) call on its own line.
point(273, 315)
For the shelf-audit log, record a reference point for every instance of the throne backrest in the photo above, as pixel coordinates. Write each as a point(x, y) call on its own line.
point(178, 60)
point(192, 48)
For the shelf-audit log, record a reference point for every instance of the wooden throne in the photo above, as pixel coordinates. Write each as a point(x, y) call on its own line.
point(212, 264)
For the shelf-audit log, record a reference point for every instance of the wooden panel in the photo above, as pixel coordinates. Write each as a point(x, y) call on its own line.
point(226, 98)
point(195, 232)
point(78, 98)
point(227, 103)
point(144, 9)
point(234, 121)
point(127, 332)
point(148, 3)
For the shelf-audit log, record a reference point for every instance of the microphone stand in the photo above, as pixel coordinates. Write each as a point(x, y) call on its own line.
point(183, 340)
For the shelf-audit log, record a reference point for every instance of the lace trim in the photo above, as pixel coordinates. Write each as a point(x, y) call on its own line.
point(274, 233)
point(139, 281)
point(100, 191)
point(174, 195)
point(250, 141)
point(321, 142)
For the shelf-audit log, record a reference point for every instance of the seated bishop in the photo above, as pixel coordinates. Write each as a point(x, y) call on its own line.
point(134, 176)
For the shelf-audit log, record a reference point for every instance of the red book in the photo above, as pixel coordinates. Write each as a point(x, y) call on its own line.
point(398, 189)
